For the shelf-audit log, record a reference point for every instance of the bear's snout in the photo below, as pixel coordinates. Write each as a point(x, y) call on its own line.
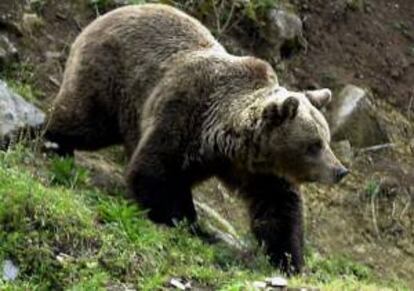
point(340, 173)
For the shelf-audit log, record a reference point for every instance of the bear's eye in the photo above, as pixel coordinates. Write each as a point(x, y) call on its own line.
point(314, 148)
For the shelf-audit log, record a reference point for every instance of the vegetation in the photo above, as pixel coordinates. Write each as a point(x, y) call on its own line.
point(62, 233)
point(221, 14)
point(20, 78)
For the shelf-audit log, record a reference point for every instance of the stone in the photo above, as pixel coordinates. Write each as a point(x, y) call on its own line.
point(259, 285)
point(179, 284)
point(283, 31)
point(277, 282)
point(8, 52)
point(16, 113)
point(10, 271)
point(352, 117)
point(282, 26)
point(343, 150)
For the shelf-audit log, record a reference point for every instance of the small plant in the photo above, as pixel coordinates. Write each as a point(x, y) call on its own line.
point(257, 9)
point(356, 5)
point(64, 172)
point(326, 269)
point(101, 6)
point(404, 28)
point(37, 5)
point(20, 78)
point(372, 188)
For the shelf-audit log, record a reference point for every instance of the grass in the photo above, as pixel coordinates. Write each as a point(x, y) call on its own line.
point(63, 233)
point(20, 78)
point(221, 15)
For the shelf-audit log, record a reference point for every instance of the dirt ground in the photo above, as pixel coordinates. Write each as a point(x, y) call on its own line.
point(370, 44)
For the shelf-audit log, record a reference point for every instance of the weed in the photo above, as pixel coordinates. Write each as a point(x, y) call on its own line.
point(64, 172)
point(37, 5)
point(356, 5)
point(403, 28)
point(372, 188)
point(20, 78)
point(102, 6)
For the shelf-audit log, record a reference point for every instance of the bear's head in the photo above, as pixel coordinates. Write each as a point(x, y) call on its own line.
point(293, 138)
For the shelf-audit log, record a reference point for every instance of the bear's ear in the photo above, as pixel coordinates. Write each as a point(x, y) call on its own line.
point(319, 98)
point(275, 115)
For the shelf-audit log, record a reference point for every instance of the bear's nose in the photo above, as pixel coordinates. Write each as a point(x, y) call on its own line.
point(341, 173)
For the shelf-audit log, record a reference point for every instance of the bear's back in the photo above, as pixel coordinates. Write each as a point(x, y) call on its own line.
point(133, 46)
point(150, 32)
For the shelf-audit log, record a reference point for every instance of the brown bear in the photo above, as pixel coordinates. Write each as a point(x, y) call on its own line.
point(155, 80)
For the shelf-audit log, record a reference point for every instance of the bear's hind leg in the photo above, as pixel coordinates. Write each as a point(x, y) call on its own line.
point(155, 178)
point(276, 220)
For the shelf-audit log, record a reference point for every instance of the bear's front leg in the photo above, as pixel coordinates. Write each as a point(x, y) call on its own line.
point(277, 220)
point(156, 181)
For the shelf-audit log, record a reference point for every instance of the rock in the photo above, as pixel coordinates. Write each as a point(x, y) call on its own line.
point(282, 26)
point(283, 30)
point(178, 284)
point(64, 258)
point(277, 282)
point(259, 285)
point(10, 271)
point(219, 226)
point(343, 151)
point(8, 52)
point(16, 114)
point(352, 117)
point(120, 287)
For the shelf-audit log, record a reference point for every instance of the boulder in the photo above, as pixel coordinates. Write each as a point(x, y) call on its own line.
point(16, 113)
point(283, 31)
point(10, 271)
point(343, 151)
point(8, 52)
point(352, 117)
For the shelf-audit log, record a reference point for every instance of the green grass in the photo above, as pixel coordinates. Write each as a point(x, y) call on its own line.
point(20, 78)
point(220, 14)
point(64, 234)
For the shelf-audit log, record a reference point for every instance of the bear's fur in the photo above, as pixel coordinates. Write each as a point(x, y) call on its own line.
point(155, 80)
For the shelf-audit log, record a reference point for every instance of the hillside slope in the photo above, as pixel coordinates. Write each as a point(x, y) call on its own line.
point(62, 233)
point(70, 228)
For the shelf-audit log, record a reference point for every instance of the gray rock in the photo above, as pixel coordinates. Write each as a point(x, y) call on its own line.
point(10, 271)
point(352, 117)
point(16, 113)
point(8, 52)
point(179, 284)
point(259, 285)
point(277, 282)
point(282, 27)
point(343, 151)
